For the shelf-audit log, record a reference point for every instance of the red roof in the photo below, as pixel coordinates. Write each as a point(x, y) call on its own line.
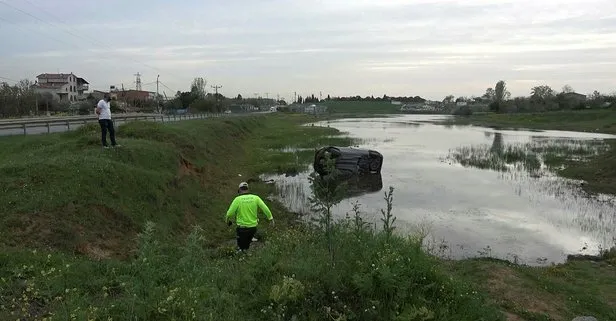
point(61, 76)
point(53, 76)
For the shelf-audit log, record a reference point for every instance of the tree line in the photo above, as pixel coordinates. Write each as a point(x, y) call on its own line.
point(20, 99)
point(404, 99)
point(197, 99)
point(540, 99)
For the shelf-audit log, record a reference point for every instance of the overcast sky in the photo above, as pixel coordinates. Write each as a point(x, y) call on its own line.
point(429, 48)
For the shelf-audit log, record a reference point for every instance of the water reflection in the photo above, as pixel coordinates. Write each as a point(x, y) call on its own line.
point(512, 207)
point(294, 190)
point(358, 185)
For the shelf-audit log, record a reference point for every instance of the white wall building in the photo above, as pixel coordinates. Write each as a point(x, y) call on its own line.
point(62, 87)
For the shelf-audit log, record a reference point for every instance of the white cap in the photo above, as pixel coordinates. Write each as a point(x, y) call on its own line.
point(243, 184)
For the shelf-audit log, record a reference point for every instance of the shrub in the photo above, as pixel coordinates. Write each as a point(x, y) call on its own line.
point(463, 111)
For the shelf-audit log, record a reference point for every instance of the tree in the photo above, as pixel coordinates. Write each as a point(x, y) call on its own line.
point(501, 94)
point(489, 95)
point(567, 89)
point(596, 99)
point(198, 87)
point(18, 99)
point(542, 93)
point(461, 99)
point(239, 97)
point(449, 99)
point(327, 191)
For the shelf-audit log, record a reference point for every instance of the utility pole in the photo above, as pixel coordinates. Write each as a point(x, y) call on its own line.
point(138, 81)
point(157, 102)
point(216, 88)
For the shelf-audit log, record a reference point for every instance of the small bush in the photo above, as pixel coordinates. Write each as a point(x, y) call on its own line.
point(463, 111)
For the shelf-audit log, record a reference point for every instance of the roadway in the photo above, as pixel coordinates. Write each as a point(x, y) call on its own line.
point(44, 125)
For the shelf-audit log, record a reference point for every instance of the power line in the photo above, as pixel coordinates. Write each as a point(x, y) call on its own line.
point(56, 39)
point(166, 86)
point(9, 79)
point(216, 87)
point(71, 33)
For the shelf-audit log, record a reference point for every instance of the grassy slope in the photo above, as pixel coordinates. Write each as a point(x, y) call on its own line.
point(558, 293)
point(176, 176)
point(599, 172)
point(173, 279)
point(63, 192)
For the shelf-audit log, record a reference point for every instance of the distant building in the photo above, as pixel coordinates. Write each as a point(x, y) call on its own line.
point(98, 95)
point(572, 100)
point(242, 108)
point(575, 96)
point(62, 87)
point(308, 109)
point(134, 95)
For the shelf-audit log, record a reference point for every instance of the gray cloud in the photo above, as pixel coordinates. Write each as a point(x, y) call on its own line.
point(428, 48)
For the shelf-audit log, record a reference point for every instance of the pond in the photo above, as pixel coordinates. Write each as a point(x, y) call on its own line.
point(477, 191)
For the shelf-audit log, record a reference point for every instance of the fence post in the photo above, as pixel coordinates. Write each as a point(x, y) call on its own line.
point(48, 128)
point(68, 125)
point(25, 131)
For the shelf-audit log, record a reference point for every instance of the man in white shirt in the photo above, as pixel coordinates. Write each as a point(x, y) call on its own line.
point(103, 110)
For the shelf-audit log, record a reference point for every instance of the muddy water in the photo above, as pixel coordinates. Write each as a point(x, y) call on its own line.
point(531, 217)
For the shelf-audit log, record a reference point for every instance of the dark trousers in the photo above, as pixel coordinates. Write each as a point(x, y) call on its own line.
point(244, 237)
point(107, 125)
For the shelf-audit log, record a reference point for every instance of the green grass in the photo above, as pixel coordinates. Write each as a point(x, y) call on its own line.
point(558, 293)
point(137, 234)
point(596, 120)
point(290, 276)
point(557, 156)
point(62, 191)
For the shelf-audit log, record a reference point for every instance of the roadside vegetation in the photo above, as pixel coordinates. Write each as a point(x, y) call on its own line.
point(136, 233)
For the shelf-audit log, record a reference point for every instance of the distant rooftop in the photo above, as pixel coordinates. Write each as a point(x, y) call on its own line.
point(61, 76)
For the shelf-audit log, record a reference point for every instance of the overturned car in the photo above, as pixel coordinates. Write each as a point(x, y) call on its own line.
point(349, 161)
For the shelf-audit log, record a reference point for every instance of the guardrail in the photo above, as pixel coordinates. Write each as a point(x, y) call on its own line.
point(72, 122)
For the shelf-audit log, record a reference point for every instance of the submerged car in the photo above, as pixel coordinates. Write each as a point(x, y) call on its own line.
point(354, 161)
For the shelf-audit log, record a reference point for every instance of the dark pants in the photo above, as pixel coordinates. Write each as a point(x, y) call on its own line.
point(244, 237)
point(107, 125)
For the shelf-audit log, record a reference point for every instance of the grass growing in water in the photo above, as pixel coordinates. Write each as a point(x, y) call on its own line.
point(599, 171)
point(534, 157)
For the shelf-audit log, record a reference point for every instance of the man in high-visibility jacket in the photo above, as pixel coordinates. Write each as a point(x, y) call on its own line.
point(245, 207)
